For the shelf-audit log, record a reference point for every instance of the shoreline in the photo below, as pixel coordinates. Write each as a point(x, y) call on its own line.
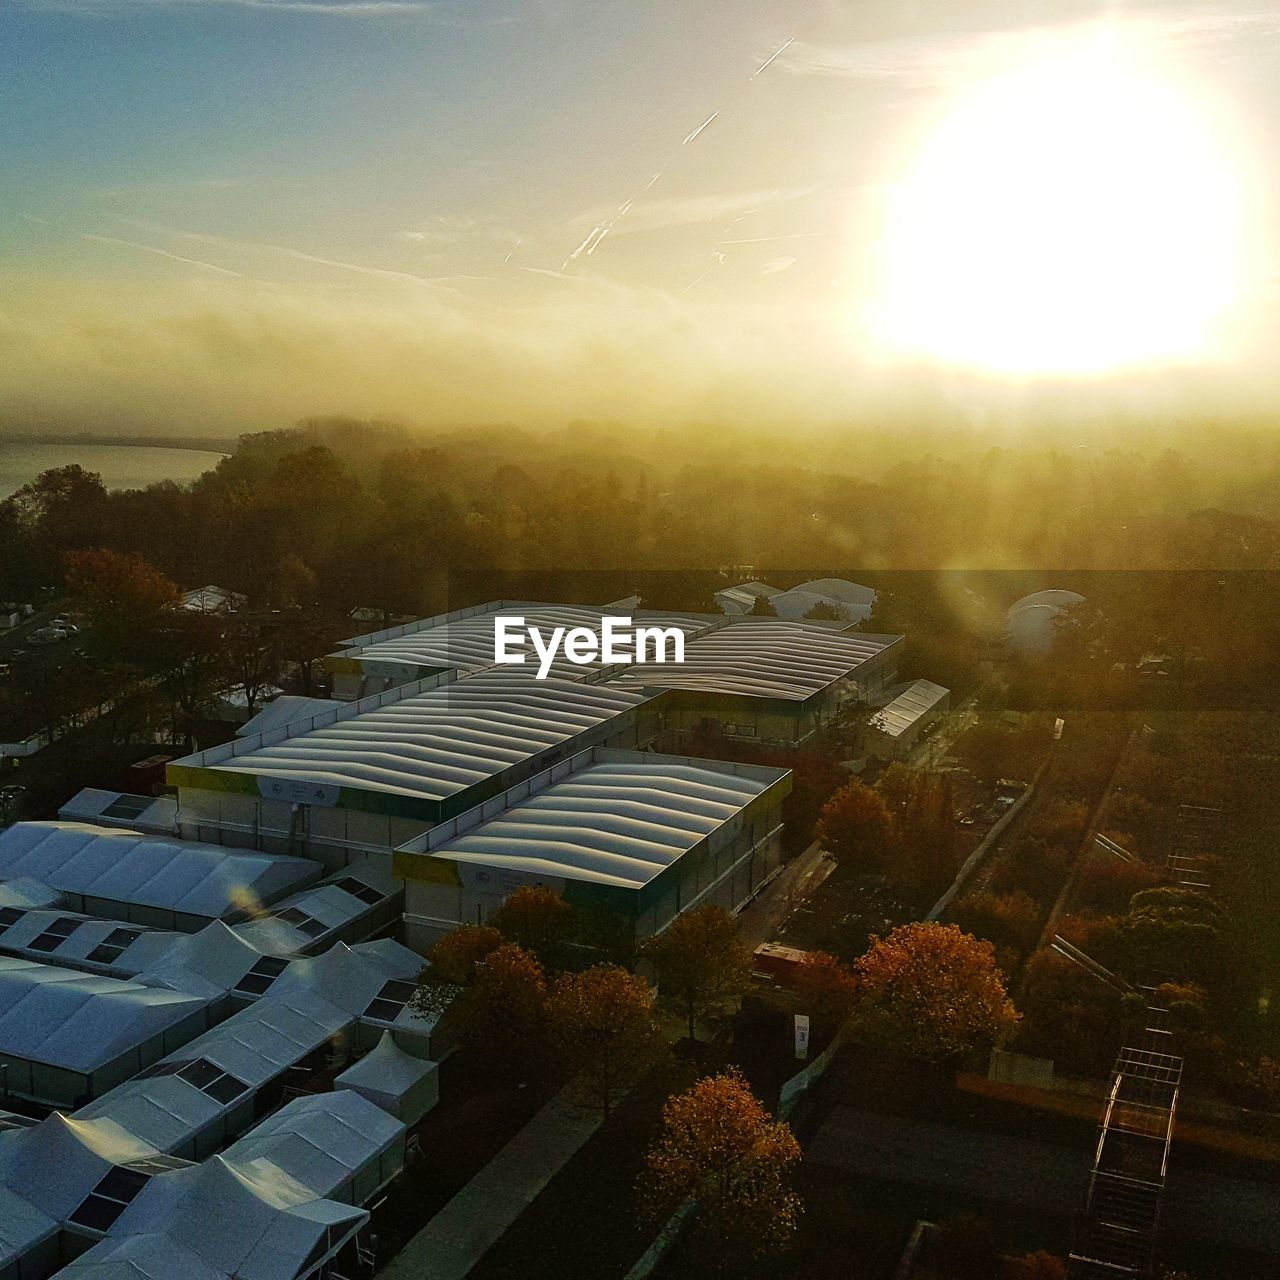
point(81, 440)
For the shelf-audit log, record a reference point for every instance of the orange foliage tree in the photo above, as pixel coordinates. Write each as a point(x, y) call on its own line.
point(719, 1149)
point(603, 1026)
point(856, 826)
point(537, 919)
point(933, 992)
point(501, 1016)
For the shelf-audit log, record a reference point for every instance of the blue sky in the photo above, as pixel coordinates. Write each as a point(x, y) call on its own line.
point(449, 210)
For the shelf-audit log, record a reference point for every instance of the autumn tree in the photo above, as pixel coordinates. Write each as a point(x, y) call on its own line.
point(700, 962)
point(762, 607)
point(501, 1016)
point(855, 825)
point(603, 1028)
point(124, 596)
point(825, 988)
point(720, 1150)
point(451, 964)
point(537, 919)
point(932, 991)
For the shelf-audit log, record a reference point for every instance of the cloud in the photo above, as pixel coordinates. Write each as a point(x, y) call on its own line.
point(945, 60)
point(688, 211)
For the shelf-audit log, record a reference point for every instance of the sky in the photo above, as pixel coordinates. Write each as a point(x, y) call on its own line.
point(228, 214)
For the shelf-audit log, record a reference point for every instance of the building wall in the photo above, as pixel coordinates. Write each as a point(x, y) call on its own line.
point(728, 875)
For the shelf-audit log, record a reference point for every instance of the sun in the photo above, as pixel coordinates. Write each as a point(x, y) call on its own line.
point(1075, 212)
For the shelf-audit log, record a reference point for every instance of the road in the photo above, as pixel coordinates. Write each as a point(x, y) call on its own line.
point(761, 919)
point(1231, 1212)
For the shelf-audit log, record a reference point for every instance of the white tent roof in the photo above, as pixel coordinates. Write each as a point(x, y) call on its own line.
point(434, 744)
point(386, 1073)
point(320, 1141)
point(916, 700)
point(25, 892)
point(140, 1257)
point(360, 888)
point(1031, 620)
point(153, 871)
point(78, 1021)
point(76, 938)
point(620, 820)
point(59, 1161)
point(764, 658)
point(251, 1224)
point(22, 1226)
point(285, 710)
point(208, 963)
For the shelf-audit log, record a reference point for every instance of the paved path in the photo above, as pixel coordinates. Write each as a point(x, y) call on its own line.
point(761, 919)
point(1233, 1212)
point(459, 1235)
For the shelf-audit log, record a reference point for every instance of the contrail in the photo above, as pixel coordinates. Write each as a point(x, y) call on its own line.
point(799, 235)
point(764, 66)
point(160, 253)
point(602, 229)
point(691, 136)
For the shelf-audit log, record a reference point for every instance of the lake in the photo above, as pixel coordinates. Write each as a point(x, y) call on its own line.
point(121, 466)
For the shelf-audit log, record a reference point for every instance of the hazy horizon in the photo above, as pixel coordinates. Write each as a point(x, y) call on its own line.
point(225, 215)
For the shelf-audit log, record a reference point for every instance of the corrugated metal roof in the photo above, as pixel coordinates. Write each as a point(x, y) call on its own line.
point(434, 744)
point(764, 658)
point(617, 822)
point(916, 700)
point(150, 871)
point(464, 641)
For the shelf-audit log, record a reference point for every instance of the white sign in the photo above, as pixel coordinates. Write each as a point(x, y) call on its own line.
point(616, 641)
point(295, 792)
point(802, 1036)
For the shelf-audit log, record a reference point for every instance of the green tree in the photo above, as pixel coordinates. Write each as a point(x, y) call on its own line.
point(700, 963)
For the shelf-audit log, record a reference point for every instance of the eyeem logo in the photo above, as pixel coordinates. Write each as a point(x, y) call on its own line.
point(616, 641)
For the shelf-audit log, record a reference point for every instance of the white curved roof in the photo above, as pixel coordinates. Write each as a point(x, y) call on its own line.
point(612, 823)
point(853, 593)
point(434, 744)
point(146, 870)
point(1031, 620)
point(1052, 598)
point(78, 1021)
point(916, 700)
point(764, 658)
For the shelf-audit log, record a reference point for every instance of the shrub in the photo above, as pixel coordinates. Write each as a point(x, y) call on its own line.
point(1107, 883)
point(1010, 920)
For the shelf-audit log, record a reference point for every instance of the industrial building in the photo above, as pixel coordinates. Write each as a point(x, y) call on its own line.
point(643, 836)
point(462, 642)
point(772, 682)
point(896, 729)
point(368, 778)
point(837, 597)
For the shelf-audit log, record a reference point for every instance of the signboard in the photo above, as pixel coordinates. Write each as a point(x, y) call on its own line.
point(295, 792)
point(802, 1036)
point(503, 880)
